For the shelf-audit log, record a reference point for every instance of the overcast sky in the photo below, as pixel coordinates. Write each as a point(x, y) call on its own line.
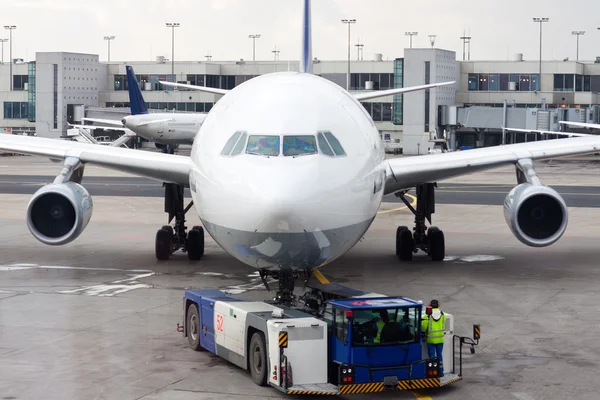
point(499, 28)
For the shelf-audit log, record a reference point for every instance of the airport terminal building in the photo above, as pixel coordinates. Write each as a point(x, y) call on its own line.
point(45, 95)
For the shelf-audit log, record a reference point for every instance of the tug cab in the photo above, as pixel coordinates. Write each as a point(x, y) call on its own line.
point(375, 344)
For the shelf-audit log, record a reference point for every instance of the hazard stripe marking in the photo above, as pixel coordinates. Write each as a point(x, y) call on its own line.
point(283, 339)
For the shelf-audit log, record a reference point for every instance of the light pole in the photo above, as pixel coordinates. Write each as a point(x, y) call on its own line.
point(411, 34)
point(2, 41)
point(578, 33)
point(172, 25)
point(10, 29)
point(108, 39)
point(540, 21)
point(466, 39)
point(349, 22)
point(275, 53)
point(432, 40)
point(359, 50)
point(254, 37)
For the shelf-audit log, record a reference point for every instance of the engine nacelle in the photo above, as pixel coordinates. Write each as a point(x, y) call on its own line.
point(58, 213)
point(537, 215)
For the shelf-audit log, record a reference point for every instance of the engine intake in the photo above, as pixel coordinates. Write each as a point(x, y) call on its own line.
point(537, 215)
point(58, 213)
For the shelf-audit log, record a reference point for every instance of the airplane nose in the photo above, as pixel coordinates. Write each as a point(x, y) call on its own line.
point(285, 201)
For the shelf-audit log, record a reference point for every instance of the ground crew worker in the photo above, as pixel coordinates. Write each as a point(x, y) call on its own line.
point(434, 326)
point(384, 318)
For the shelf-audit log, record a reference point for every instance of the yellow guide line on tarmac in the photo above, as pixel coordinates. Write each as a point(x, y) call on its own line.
point(421, 396)
point(320, 277)
point(412, 203)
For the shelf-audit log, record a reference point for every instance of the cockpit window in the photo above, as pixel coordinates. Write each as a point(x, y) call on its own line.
point(330, 145)
point(299, 145)
point(239, 147)
point(325, 149)
point(335, 144)
point(263, 145)
point(230, 143)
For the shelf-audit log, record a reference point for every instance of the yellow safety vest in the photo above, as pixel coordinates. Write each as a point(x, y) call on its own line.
point(434, 329)
point(380, 324)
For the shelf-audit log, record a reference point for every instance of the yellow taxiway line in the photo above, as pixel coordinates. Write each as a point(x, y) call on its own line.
point(420, 396)
point(413, 203)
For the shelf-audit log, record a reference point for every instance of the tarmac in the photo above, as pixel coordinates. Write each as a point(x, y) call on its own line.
point(96, 319)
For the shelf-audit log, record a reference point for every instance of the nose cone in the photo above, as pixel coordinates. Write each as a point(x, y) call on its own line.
point(283, 199)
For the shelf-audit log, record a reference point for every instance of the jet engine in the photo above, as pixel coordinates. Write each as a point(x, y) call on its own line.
point(58, 213)
point(536, 214)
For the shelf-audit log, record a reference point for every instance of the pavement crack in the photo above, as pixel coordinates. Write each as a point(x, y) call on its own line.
point(545, 302)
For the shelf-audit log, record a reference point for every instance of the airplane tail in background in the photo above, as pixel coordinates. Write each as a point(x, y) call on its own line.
point(136, 101)
point(306, 64)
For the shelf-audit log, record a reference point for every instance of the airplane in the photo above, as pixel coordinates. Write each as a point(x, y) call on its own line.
point(288, 172)
point(166, 130)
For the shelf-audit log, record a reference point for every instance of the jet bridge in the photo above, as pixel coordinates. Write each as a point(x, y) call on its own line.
point(484, 119)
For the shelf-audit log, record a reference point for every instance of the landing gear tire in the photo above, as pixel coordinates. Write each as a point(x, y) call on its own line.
point(195, 243)
point(437, 245)
point(169, 228)
point(194, 328)
point(163, 244)
point(258, 359)
point(404, 243)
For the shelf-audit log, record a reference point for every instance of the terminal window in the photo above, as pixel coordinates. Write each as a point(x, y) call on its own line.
point(503, 82)
point(380, 112)
point(576, 83)
point(16, 110)
point(19, 82)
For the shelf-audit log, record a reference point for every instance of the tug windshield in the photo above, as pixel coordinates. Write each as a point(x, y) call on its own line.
point(385, 326)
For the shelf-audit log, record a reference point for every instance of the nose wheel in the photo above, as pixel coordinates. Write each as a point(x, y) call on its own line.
point(169, 239)
point(429, 240)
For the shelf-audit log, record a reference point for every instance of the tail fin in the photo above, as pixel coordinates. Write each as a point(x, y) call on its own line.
point(136, 101)
point(306, 64)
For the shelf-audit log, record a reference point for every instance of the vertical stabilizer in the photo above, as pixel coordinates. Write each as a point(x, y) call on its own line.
point(306, 64)
point(136, 101)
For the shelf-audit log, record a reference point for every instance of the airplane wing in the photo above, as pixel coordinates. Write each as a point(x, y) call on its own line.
point(383, 93)
point(358, 96)
point(194, 87)
point(548, 132)
point(161, 167)
point(407, 172)
point(581, 124)
point(104, 121)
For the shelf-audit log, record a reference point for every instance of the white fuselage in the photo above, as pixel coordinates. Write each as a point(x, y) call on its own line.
point(170, 128)
point(283, 211)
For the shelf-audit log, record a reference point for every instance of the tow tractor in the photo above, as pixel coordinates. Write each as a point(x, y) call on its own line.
point(327, 344)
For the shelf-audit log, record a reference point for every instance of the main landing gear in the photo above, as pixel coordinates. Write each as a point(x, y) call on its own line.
point(170, 239)
point(430, 240)
point(169, 149)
